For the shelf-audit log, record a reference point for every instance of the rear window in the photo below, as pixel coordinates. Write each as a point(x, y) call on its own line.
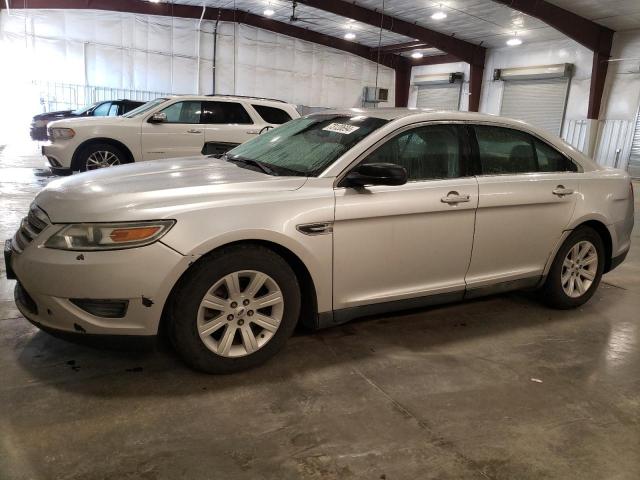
point(273, 115)
point(224, 113)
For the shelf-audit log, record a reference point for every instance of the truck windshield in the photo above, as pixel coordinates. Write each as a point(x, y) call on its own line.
point(307, 146)
point(145, 107)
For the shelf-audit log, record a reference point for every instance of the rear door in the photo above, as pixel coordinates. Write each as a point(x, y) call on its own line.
point(226, 125)
point(181, 135)
point(527, 193)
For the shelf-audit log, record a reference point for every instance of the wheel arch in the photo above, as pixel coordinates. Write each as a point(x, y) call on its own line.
point(90, 141)
point(604, 233)
point(309, 304)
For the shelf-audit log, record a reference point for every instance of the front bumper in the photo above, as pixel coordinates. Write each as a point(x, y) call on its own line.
point(59, 154)
point(49, 279)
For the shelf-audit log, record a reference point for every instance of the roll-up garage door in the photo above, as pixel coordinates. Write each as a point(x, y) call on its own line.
point(634, 158)
point(538, 102)
point(443, 96)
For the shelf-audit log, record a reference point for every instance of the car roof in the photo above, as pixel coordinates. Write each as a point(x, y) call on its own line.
point(420, 114)
point(229, 97)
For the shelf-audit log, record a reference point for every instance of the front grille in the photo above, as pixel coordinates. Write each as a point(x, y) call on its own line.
point(30, 228)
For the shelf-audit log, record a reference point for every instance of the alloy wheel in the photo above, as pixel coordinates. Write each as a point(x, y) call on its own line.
point(102, 159)
point(240, 313)
point(579, 269)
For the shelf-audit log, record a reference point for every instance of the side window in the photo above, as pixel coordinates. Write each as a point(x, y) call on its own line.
point(505, 151)
point(429, 152)
point(550, 160)
point(277, 116)
point(183, 112)
point(102, 110)
point(225, 113)
point(113, 110)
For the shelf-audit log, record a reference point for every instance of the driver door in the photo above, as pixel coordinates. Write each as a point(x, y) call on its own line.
point(400, 242)
point(181, 135)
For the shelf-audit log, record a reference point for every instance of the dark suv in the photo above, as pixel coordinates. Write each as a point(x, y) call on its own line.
point(105, 108)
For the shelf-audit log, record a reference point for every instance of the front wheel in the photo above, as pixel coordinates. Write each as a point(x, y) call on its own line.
point(234, 310)
point(100, 155)
point(576, 271)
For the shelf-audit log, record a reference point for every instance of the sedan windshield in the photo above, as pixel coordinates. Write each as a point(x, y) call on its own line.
point(306, 146)
point(144, 108)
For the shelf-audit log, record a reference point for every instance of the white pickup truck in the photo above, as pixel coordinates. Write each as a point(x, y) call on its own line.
point(175, 126)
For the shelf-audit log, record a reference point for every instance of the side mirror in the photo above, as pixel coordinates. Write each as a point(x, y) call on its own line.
point(158, 118)
point(376, 174)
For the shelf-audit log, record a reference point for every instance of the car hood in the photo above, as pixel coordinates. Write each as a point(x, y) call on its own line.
point(157, 189)
point(76, 122)
point(54, 115)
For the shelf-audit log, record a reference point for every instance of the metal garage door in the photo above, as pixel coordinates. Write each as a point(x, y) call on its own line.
point(634, 158)
point(444, 96)
point(538, 102)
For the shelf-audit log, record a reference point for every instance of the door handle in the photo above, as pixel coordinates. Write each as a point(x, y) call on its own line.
point(194, 130)
point(253, 132)
point(561, 191)
point(454, 197)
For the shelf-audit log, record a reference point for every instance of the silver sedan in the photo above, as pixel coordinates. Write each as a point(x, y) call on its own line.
point(326, 218)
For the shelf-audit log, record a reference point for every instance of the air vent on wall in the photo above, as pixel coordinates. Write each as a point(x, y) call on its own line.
point(375, 95)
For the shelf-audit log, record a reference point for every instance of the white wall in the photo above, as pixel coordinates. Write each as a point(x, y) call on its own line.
point(621, 101)
point(155, 53)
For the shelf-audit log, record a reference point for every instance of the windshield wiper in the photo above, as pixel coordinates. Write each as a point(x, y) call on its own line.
point(250, 161)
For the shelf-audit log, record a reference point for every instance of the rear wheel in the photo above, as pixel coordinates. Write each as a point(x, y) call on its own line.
point(100, 155)
point(576, 271)
point(234, 310)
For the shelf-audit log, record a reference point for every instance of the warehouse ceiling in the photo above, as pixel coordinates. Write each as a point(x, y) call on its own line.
point(477, 21)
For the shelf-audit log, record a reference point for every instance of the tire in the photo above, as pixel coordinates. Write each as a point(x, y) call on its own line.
point(99, 155)
point(189, 314)
point(558, 295)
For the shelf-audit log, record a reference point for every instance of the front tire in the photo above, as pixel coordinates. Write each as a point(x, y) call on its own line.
point(576, 271)
point(99, 155)
point(234, 310)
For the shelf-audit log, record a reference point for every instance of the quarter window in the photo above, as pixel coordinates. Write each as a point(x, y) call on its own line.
point(225, 113)
point(277, 116)
point(550, 160)
point(183, 112)
point(429, 152)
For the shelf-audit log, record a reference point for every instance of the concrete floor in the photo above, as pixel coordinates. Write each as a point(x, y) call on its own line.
point(499, 388)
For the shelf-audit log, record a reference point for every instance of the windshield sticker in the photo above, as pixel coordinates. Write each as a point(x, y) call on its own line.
point(341, 128)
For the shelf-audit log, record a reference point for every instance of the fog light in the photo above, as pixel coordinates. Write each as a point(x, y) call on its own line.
point(102, 308)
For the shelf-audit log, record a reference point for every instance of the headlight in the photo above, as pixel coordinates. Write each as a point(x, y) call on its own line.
point(108, 236)
point(56, 133)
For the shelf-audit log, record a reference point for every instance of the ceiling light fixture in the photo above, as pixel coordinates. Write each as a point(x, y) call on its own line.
point(440, 14)
point(268, 12)
point(514, 41)
point(349, 36)
point(417, 55)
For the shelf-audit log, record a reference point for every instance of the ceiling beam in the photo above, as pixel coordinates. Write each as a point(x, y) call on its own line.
point(433, 60)
point(403, 47)
point(465, 51)
point(588, 33)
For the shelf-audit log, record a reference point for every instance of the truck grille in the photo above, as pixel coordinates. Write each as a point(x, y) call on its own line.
point(30, 228)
